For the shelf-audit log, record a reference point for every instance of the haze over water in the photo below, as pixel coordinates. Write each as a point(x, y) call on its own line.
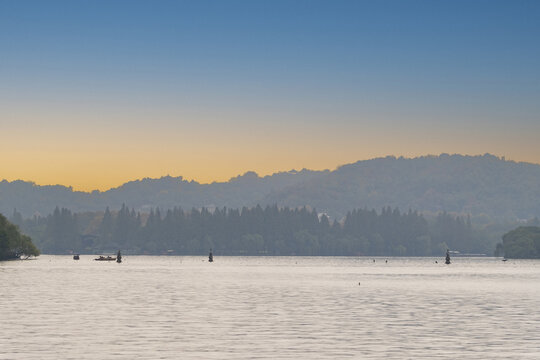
point(269, 308)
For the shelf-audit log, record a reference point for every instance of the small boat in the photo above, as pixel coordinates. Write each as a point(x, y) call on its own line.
point(210, 256)
point(505, 259)
point(447, 261)
point(76, 257)
point(105, 258)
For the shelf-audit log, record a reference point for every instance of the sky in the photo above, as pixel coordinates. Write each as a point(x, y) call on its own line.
point(97, 93)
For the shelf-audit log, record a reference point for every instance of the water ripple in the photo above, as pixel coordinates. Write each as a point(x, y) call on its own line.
point(269, 308)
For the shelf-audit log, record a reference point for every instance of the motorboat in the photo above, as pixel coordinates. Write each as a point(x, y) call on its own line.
point(105, 258)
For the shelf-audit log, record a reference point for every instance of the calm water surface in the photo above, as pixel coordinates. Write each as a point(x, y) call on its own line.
point(269, 308)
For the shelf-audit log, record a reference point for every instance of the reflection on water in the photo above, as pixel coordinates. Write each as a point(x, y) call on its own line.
point(269, 308)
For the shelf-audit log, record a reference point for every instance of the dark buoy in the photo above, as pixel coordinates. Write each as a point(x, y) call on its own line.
point(118, 257)
point(210, 256)
point(447, 261)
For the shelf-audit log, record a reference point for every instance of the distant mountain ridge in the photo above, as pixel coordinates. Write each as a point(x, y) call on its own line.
point(463, 184)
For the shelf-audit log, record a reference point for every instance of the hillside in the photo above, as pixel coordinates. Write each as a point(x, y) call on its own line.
point(479, 185)
point(462, 184)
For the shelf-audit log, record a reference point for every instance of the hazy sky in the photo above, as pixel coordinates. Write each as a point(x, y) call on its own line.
point(96, 93)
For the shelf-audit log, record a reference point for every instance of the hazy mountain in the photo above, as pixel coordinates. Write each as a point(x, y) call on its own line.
point(166, 192)
point(455, 183)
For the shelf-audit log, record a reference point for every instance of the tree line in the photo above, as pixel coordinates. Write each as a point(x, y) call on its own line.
point(252, 231)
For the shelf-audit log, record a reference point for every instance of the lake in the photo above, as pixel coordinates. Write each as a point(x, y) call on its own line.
point(168, 307)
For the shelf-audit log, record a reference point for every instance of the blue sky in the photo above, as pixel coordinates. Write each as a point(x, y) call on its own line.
point(388, 74)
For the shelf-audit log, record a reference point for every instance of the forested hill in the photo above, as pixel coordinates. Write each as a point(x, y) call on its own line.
point(454, 183)
point(477, 185)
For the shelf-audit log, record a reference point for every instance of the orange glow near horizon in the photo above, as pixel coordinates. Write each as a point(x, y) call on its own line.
point(90, 158)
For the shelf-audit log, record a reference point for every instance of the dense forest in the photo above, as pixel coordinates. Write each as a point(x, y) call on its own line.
point(254, 231)
point(13, 244)
point(490, 189)
point(521, 243)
